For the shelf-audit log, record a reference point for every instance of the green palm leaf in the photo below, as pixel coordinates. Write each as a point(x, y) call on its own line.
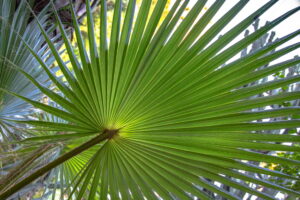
point(167, 107)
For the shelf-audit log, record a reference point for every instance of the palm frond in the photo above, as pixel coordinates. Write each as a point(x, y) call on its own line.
point(14, 25)
point(167, 105)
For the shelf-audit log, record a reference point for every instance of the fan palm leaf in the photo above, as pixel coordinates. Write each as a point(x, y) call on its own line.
point(17, 24)
point(163, 106)
point(13, 25)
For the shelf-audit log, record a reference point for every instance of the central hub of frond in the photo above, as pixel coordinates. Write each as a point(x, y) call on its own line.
point(111, 132)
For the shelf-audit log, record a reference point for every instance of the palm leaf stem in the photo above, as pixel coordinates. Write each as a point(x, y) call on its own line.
point(23, 165)
point(106, 134)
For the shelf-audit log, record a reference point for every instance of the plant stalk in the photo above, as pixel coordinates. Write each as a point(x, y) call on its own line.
point(105, 135)
point(22, 166)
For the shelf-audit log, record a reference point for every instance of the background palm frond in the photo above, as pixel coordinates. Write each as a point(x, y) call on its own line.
point(14, 24)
